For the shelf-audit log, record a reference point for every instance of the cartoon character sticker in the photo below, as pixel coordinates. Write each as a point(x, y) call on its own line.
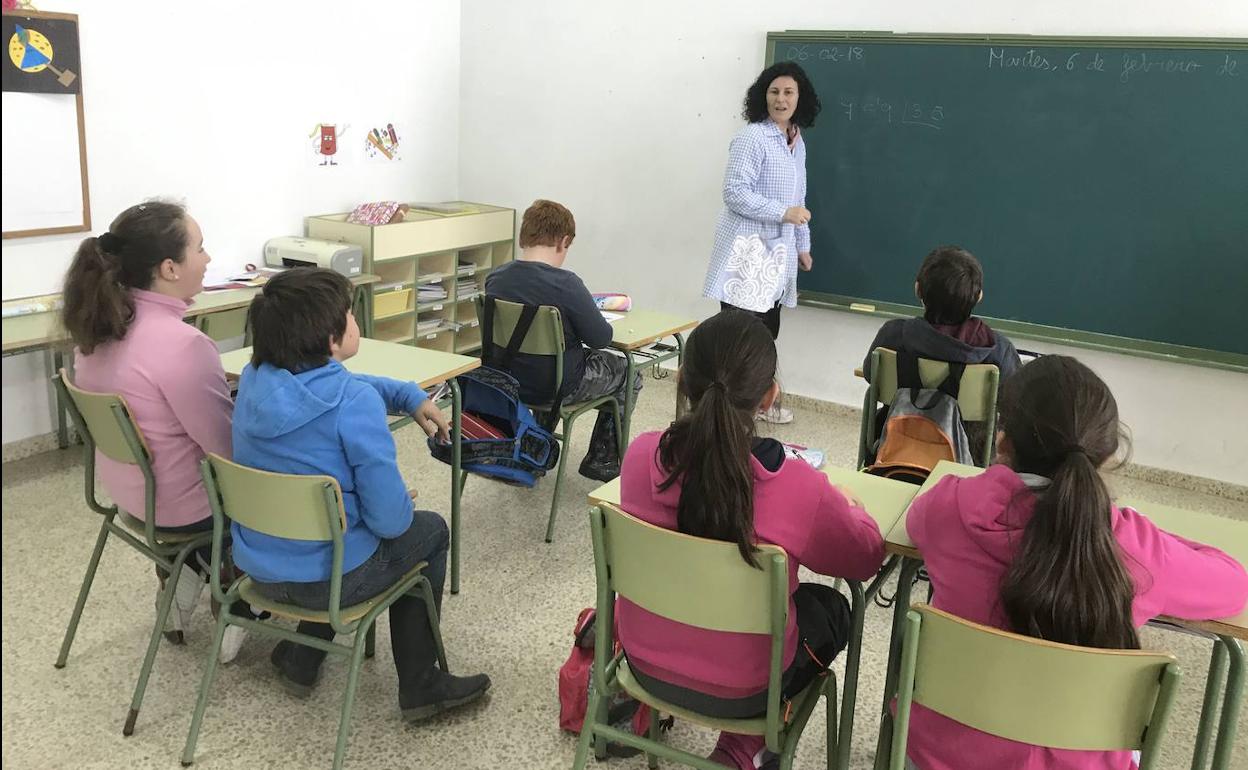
point(325, 142)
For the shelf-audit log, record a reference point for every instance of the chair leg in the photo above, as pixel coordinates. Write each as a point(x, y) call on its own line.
point(370, 641)
point(348, 700)
point(83, 592)
point(829, 695)
point(435, 624)
point(1213, 685)
point(205, 689)
point(563, 461)
point(1231, 705)
point(162, 613)
point(587, 730)
point(652, 760)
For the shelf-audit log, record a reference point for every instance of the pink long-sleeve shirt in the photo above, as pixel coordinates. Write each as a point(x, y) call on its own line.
point(170, 374)
point(969, 530)
point(796, 508)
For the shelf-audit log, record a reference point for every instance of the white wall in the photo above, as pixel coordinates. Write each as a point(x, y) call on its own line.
point(624, 113)
point(213, 104)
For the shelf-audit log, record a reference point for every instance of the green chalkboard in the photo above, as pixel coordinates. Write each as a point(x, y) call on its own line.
point(1103, 183)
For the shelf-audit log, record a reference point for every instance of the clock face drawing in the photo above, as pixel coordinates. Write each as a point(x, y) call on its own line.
point(29, 50)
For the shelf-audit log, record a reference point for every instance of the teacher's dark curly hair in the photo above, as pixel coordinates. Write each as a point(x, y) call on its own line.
point(754, 109)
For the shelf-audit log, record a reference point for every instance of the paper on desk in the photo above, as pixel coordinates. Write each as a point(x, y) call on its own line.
point(611, 317)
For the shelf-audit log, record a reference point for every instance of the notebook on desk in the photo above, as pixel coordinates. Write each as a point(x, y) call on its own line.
point(887, 500)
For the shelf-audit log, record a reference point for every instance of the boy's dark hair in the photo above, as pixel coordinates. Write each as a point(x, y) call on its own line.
point(729, 365)
point(950, 282)
point(98, 307)
point(754, 108)
point(1068, 582)
point(546, 223)
point(296, 315)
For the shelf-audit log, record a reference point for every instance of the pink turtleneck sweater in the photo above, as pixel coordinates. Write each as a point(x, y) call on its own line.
point(170, 374)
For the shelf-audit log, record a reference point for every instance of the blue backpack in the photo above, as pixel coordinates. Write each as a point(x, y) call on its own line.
point(526, 451)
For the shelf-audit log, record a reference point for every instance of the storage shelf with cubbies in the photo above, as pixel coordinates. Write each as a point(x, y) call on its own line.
point(431, 267)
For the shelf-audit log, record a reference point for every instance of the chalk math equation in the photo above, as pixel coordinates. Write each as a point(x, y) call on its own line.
point(1126, 65)
point(903, 113)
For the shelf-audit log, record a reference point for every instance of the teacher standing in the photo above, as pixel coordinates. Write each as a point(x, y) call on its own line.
point(763, 234)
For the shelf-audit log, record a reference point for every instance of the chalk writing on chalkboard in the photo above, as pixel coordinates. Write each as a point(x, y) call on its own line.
point(909, 113)
point(847, 54)
point(1133, 63)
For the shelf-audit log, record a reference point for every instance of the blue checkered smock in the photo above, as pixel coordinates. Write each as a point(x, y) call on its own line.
point(763, 179)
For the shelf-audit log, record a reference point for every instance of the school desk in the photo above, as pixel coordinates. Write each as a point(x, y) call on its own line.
point(1229, 535)
point(424, 367)
point(637, 334)
point(33, 332)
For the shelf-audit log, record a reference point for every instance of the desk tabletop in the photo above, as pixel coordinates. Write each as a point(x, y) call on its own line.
point(639, 328)
point(386, 359)
point(39, 330)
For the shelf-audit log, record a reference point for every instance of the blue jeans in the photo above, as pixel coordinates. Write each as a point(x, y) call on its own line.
point(411, 637)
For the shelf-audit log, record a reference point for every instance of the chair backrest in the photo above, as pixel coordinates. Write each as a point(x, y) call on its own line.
point(224, 325)
point(693, 580)
point(107, 421)
point(545, 337)
point(279, 504)
point(1039, 692)
point(977, 393)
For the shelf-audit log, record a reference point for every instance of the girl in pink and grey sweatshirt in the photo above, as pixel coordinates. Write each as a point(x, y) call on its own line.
point(709, 476)
point(1034, 543)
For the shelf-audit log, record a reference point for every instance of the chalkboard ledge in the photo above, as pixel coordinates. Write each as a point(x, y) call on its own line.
point(1161, 351)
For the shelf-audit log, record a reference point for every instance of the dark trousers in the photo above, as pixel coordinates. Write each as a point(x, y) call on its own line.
point(604, 376)
point(411, 637)
point(770, 318)
point(823, 624)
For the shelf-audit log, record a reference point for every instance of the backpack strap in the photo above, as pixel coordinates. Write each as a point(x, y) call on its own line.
point(503, 360)
point(908, 376)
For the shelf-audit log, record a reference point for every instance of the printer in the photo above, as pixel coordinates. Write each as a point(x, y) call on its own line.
point(293, 251)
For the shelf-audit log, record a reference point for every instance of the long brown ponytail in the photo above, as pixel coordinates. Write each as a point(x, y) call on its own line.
point(98, 307)
point(1068, 582)
point(729, 365)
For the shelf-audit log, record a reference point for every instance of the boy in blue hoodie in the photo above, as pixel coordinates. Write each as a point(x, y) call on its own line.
point(300, 411)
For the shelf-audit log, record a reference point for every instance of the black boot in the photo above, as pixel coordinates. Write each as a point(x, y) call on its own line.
point(425, 689)
point(602, 461)
point(299, 666)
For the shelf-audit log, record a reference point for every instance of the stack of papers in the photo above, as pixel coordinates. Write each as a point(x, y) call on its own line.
point(467, 267)
point(432, 292)
point(428, 325)
point(249, 280)
point(466, 288)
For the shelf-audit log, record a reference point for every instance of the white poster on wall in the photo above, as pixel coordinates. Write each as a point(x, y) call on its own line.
point(41, 171)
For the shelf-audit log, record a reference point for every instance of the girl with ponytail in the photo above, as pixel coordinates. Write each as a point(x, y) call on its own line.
point(124, 297)
point(1035, 545)
point(709, 475)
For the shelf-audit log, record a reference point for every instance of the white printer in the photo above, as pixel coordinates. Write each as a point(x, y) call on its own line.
point(293, 251)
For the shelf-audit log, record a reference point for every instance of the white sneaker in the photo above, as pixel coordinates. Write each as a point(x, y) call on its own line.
point(776, 415)
point(186, 595)
point(231, 643)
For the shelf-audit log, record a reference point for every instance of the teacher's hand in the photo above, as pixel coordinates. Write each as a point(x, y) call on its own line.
point(805, 261)
point(796, 215)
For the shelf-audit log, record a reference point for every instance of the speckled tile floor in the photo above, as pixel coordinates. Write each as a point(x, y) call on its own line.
point(512, 619)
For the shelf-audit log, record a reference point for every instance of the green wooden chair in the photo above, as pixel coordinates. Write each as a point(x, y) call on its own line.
point(702, 583)
point(298, 508)
point(545, 338)
point(104, 422)
point(1029, 690)
point(225, 325)
point(977, 397)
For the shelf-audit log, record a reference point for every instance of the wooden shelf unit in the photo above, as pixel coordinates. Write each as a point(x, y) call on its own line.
point(428, 250)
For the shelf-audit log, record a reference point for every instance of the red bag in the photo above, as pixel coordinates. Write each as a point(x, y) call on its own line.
point(574, 682)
